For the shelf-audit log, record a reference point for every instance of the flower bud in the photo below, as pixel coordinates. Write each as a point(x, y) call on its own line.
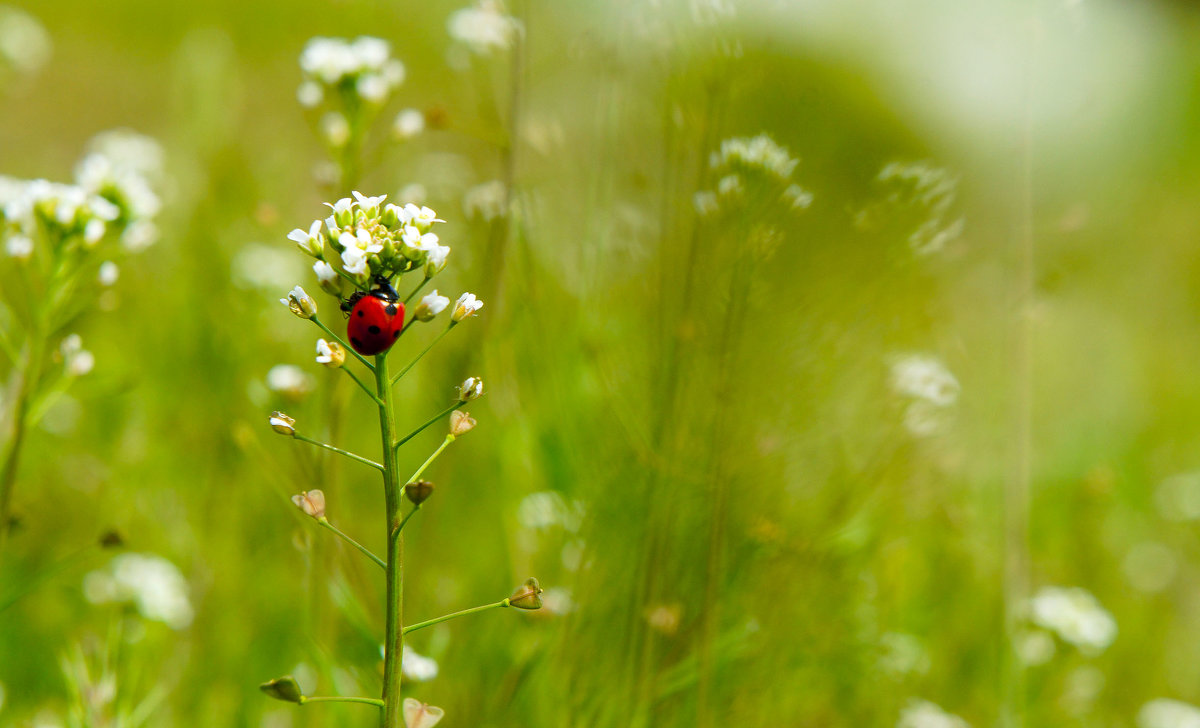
point(328, 278)
point(430, 306)
point(465, 307)
point(470, 389)
point(435, 260)
point(283, 424)
point(461, 423)
point(300, 303)
point(391, 217)
point(527, 596)
point(343, 213)
point(421, 715)
point(330, 353)
point(312, 502)
point(283, 688)
point(419, 491)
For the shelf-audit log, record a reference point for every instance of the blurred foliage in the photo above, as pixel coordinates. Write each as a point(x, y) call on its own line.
point(754, 537)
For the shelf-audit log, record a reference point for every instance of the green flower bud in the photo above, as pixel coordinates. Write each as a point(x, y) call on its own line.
point(527, 596)
point(283, 688)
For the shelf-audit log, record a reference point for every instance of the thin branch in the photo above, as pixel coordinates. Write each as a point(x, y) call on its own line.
point(463, 613)
point(366, 552)
point(338, 450)
point(345, 346)
point(433, 420)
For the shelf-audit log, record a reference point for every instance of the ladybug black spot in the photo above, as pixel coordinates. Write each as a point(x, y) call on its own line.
point(356, 342)
point(373, 329)
point(361, 314)
point(396, 334)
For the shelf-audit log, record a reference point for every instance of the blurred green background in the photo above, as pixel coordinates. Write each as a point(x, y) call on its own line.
point(740, 516)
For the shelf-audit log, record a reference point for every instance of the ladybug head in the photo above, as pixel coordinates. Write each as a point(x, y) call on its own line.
point(348, 304)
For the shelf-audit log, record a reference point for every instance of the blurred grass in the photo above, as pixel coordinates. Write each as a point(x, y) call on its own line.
point(729, 430)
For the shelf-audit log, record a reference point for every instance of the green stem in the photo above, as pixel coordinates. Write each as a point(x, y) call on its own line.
point(366, 552)
point(423, 353)
point(449, 439)
point(339, 451)
point(328, 699)
point(345, 346)
point(408, 516)
point(434, 419)
point(393, 647)
point(361, 384)
point(445, 617)
point(20, 423)
point(416, 290)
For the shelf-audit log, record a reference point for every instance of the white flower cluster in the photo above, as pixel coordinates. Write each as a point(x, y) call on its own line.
point(924, 714)
point(77, 360)
point(485, 27)
point(24, 44)
point(744, 162)
point(1075, 616)
point(334, 67)
point(369, 239)
point(929, 387)
point(151, 583)
point(113, 197)
point(929, 191)
point(1167, 713)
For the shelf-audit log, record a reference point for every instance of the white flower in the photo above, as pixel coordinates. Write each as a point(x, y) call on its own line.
point(311, 242)
point(705, 202)
point(373, 87)
point(336, 129)
point(924, 714)
point(325, 272)
point(409, 123)
point(140, 235)
point(370, 52)
point(435, 260)
point(730, 186)
point(1167, 713)
point(330, 353)
point(760, 152)
point(465, 307)
point(288, 379)
point(150, 582)
point(420, 715)
point(108, 273)
point(471, 388)
point(19, 247)
point(310, 94)
point(283, 424)
point(369, 205)
point(77, 360)
point(429, 306)
point(417, 667)
point(486, 200)
point(354, 260)
point(484, 28)
point(300, 303)
point(24, 43)
point(924, 377)
point(312, 502)
point(1075, 615)
point(547, 509)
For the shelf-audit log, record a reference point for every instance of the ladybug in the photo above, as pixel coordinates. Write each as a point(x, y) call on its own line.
point(376, 318)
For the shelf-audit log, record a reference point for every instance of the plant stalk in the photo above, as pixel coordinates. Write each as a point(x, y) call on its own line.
point(393, 648)
point(445, 617)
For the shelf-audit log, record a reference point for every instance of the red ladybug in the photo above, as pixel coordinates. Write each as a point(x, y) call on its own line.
point(376, 319)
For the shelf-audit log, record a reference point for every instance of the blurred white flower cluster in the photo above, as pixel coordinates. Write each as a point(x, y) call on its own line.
point(1167, 713)
point(24, 44)
point(347, 78)
point(1075, 616)
point(113, 198)
point(364, 238)
point(755, 166)
point(484, 27)
point(151, 583)
point(929, 387)
point(487, 201)
point(924, 714)
point(919, 198)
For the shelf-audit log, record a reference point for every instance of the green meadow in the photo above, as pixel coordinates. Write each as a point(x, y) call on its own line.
point(841, 362)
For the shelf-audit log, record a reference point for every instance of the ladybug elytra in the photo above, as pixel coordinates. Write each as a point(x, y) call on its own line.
point(376, 319)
